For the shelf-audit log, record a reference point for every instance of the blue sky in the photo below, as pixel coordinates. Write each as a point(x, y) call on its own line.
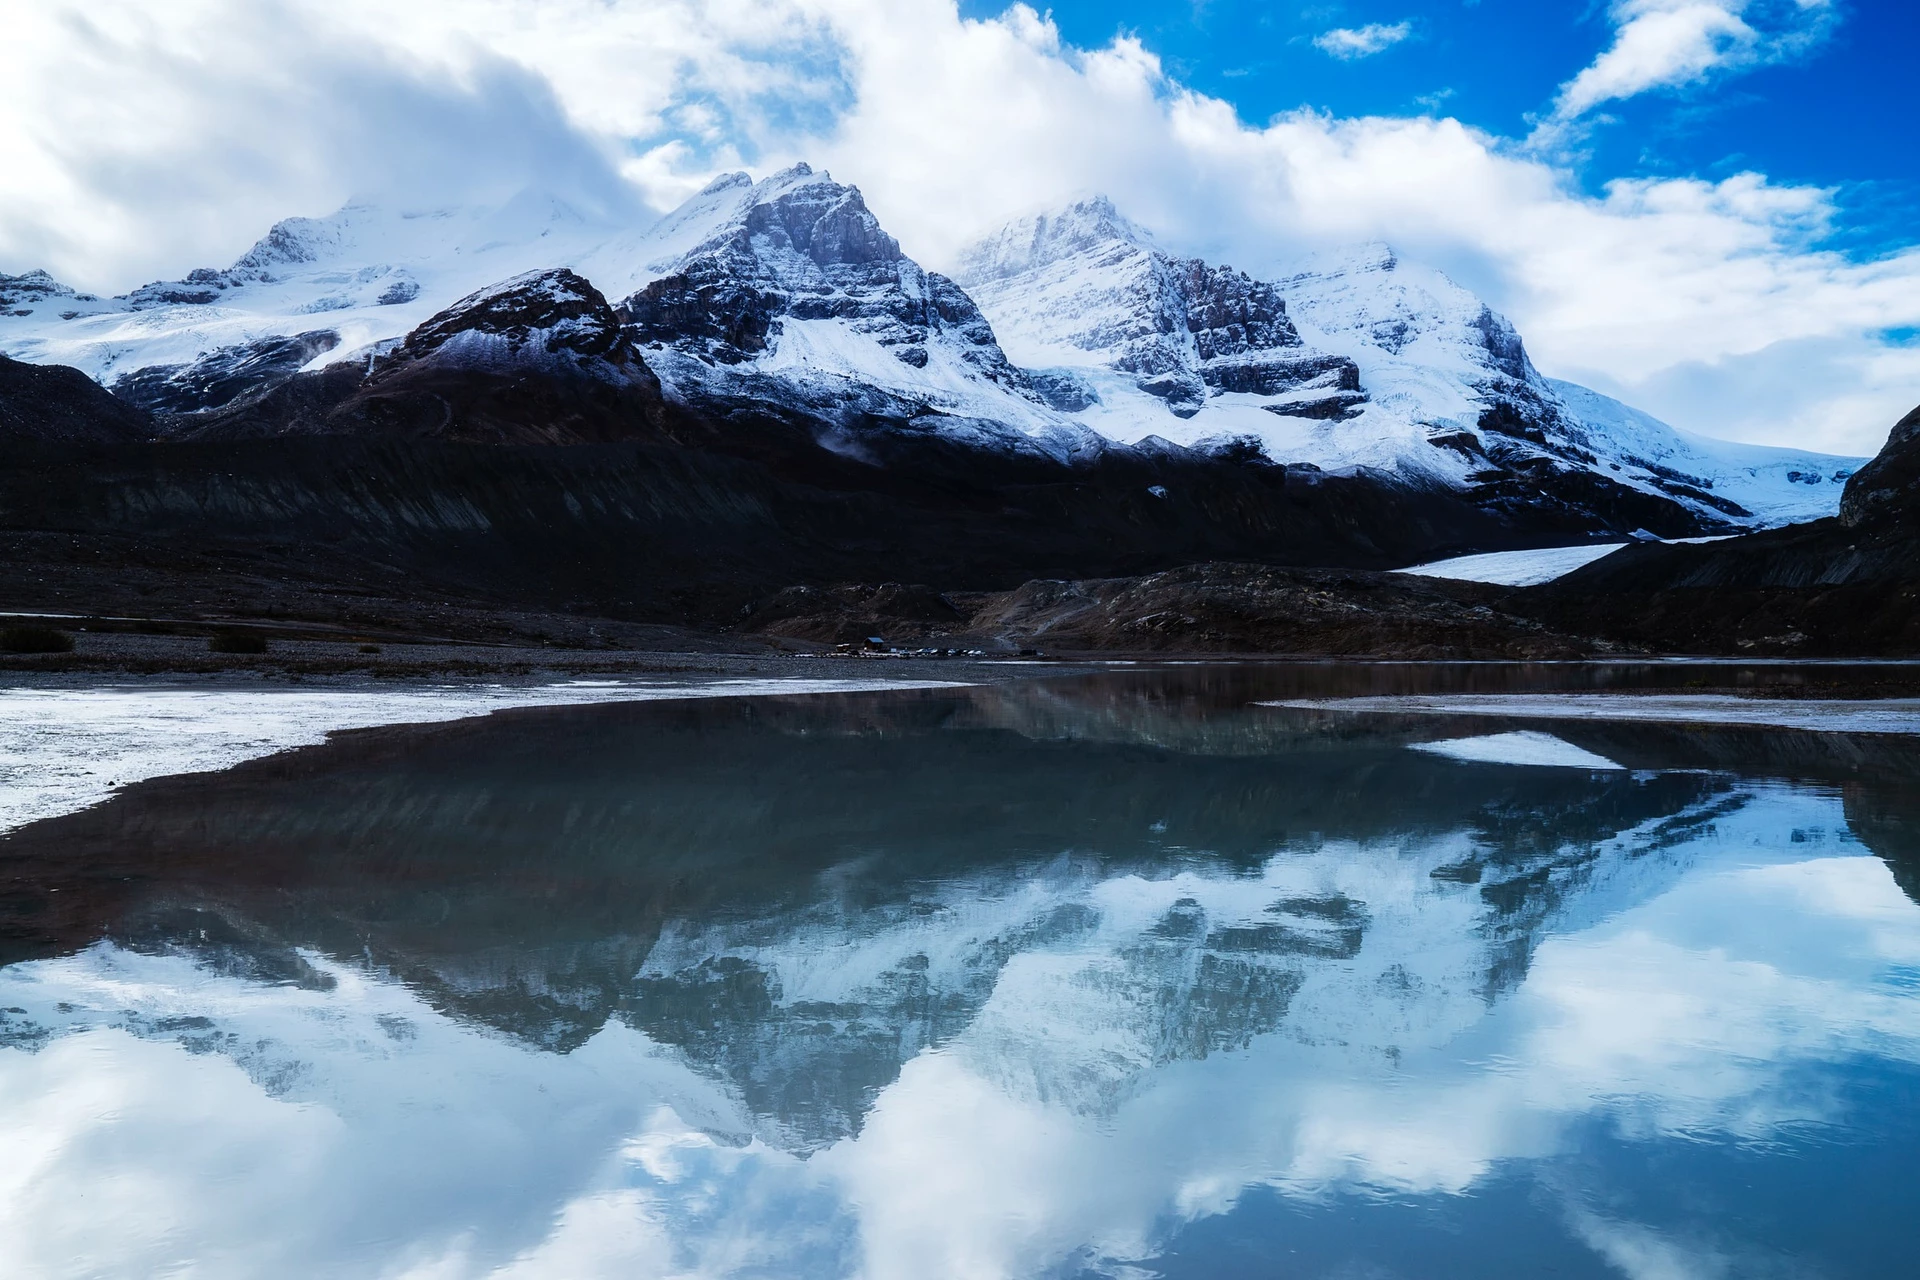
point(1836, 114)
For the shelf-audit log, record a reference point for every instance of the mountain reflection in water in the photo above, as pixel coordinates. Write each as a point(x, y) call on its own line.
point(1118, 975)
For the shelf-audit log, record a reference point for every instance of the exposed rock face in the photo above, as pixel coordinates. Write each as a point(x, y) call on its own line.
point(1086, 285)
point(221, 376)
point(53, 404)
point(1887, 490)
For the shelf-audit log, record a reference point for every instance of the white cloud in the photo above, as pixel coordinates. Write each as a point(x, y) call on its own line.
point(1666, 44)
point(140, 146)
point(1348, 43)
point(142, 140)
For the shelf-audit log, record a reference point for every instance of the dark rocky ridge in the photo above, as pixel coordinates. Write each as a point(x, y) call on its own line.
point(539, 359)
point(57, 405)
point(1886, 492)
point(1844, 586)
point(658, 530)
point(1206, 608)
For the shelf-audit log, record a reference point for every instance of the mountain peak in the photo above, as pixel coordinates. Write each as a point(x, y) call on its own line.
point(1042, 239)
point(726, 182)
point(30, 288)
point(796, 283)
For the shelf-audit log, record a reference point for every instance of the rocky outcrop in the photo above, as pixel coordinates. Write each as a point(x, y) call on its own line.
point(538, 359)
point(21, 294)
point(224, 375)
point(1887, 490)
point(551, 322)
point(55, 405)
point(1208, 608)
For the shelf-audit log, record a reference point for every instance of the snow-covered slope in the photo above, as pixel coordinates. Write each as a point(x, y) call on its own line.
point(1405, 371)
point(1084, 294)
point(1779, 486)
point(1430, 352)
point(364, 275)
point(1516, 568)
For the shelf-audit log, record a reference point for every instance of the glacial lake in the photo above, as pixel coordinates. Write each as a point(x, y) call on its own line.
point(1124, 975)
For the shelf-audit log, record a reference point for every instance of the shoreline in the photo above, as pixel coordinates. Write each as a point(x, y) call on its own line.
point(65, 747)
point(297, 655)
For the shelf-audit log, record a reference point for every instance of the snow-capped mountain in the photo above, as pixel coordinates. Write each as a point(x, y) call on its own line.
point(787, 297)
point(1088, 283)
point(1360, 360)
point(364, 275)
point(785, 293)
point(791, 292)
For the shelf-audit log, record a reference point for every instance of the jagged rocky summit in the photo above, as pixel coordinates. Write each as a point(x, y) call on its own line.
point(792, 295)
point(1085, 289)
point(1061, 338)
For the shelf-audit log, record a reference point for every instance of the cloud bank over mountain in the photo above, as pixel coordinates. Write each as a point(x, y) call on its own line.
point(155, 142)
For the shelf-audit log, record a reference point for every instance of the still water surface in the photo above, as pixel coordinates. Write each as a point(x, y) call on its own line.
point(1116, 976)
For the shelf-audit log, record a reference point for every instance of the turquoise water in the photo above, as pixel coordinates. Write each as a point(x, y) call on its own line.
point(1116, 976)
